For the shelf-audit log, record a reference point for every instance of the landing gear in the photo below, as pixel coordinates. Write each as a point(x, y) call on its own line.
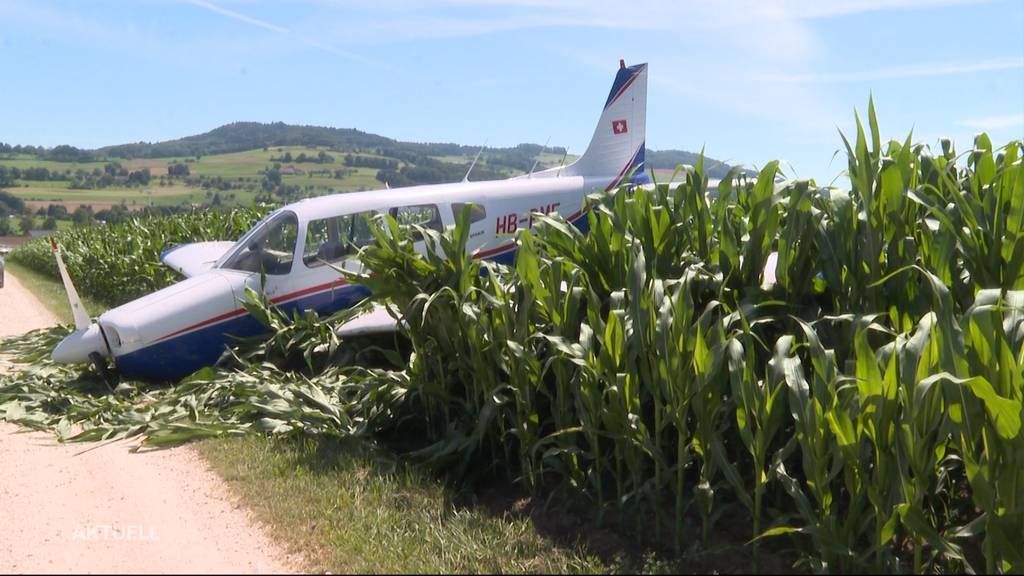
point(100, 363)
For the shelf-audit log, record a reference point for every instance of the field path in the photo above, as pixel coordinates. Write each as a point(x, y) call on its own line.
point(90, 508)
point(19, 309)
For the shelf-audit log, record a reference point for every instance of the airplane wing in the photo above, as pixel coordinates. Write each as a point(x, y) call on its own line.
point(376, 321)
point(191, 259)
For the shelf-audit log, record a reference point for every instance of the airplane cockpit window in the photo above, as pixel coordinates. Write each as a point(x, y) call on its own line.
point(335, 238)
point(478, 212)
point(425, 215)
point(270, 248)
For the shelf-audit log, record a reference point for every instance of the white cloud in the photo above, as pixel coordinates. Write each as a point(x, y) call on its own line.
point(813, 9)
point(899, 72)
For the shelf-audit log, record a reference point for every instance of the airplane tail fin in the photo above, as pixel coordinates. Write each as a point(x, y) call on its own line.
point(616, 151)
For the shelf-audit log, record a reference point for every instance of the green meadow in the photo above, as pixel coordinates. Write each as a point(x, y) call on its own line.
point(243, 172)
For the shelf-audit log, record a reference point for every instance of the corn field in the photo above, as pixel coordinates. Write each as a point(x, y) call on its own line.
point(865, 409)
point(117, 263)
point(868, 406)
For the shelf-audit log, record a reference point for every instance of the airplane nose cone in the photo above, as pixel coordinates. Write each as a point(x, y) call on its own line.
point(76, 347)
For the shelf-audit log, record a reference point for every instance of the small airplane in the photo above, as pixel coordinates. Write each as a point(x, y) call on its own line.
point(177, 330)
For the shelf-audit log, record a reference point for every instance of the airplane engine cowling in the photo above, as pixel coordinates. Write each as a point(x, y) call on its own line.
point(77, 346)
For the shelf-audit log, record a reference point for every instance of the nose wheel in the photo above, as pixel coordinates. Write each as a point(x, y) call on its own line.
point(100, 362)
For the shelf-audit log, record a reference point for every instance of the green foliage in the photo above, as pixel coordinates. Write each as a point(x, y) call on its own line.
point(119, 262)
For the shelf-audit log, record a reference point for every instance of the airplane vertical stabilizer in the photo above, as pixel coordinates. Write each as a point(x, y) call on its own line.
point(617, 148)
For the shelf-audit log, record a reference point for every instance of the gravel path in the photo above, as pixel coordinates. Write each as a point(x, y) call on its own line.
point(20, 311)
point(89, 508)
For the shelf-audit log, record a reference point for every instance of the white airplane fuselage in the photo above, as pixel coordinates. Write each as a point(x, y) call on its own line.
point(179, 329)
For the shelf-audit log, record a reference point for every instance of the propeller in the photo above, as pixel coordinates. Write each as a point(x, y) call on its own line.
point(87, 343)
point(82, 319)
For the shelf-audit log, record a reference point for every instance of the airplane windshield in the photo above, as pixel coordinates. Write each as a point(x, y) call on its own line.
point(269, 247)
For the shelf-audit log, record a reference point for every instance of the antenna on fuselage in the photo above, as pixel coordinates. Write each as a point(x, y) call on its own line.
point(562, 163)
point(477, 157)
point(537, 159)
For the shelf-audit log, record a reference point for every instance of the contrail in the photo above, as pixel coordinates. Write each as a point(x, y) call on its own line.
point(236, 16)
point(278, 29)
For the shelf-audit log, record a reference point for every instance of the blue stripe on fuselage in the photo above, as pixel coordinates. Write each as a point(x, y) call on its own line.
point(180, 356)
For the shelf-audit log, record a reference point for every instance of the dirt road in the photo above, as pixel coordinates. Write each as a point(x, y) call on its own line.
point(19, 310)
point(100, 508)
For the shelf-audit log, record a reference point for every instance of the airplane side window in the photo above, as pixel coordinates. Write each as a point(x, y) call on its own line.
point(271, 249)
point(333, 239)
point(425, 215)
point(478, 212)
point(361, 234)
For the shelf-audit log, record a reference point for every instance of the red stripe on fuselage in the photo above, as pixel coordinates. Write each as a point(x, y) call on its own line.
point(314, 289)
point(240, 311)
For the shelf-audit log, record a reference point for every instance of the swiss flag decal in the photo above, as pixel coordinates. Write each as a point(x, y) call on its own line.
point(619, 126)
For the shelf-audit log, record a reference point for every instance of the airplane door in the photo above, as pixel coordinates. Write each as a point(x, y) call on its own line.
point(275, 286)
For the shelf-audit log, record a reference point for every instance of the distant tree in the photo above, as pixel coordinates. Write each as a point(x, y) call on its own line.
point(272, 179)
point(82, 216)
point(10, 204)
point(5, 225)
point(56, 211)
point(50, 223)
point(177, 169)
point(139, 177)
point(27, 224)
point(114, 215)
point(65, 153)
point(7, 177)
point(36, 173)
point(287, 157)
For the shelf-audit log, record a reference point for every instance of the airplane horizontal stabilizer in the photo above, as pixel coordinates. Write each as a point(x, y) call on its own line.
point(376, 321)
point(192, 259)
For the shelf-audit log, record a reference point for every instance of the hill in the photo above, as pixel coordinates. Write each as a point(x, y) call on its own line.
point(240, 162)
point(670, 159)
point(244, 136)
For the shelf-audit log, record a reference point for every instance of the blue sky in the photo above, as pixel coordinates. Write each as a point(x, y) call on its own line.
point(750, 81)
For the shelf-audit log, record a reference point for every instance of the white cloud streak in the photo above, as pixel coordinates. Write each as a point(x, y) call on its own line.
point(899, 73)
point(313, 42)
point(238, 16)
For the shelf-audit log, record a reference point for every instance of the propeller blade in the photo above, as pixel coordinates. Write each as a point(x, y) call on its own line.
point(82, 319)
